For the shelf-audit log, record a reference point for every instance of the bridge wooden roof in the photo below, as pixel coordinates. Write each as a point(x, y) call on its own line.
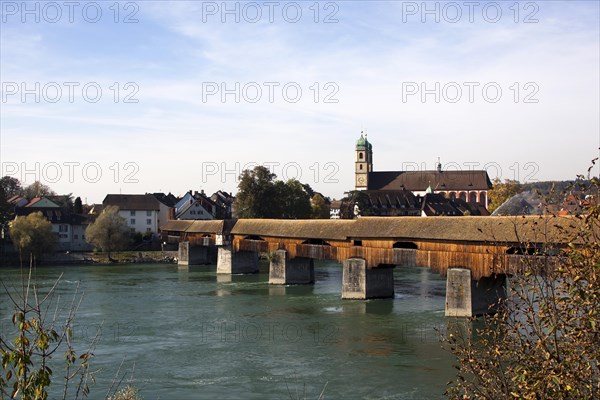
point(177, 225)
point(333, 229)
point(458, 229)
point(466, 229)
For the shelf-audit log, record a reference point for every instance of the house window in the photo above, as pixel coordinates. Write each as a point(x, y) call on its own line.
point(148, 213)
point(75, 236)
point(132, 221)
point(148, 230)
point(148, 222)
point(193, 212)
point(200, 212)
point(132, 213)
point(63, 228)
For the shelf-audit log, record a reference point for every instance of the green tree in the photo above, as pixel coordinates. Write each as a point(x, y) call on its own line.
point(356, 203)
point(256, 197)
point(78, 206)
point(501, 192)
point(261, 196)
point(32, 235)
point(37, 189)
point(9, 187)
point(320, 208)
point(109, 232)
point(293, 202)
point(65, 201)
point(544, 344)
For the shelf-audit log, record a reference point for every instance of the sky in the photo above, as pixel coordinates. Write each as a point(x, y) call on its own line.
point(147, 96)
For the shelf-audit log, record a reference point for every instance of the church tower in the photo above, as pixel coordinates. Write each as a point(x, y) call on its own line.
point(363, 163)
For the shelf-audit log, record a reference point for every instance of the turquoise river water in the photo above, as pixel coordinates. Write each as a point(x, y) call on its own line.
point(186, 333)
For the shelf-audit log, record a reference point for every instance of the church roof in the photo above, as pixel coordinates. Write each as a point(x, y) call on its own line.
point(419, 180)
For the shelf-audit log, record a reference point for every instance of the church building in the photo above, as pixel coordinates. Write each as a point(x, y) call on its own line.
point(470, 186)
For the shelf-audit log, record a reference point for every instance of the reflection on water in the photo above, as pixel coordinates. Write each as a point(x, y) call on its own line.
point(193, 334)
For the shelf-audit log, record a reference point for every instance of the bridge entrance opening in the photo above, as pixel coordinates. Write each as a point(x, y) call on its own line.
point(254, 237)
point(405, 245)
point(320, 242)
point(530, 251)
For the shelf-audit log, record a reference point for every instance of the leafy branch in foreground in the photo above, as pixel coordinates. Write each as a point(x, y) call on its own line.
point(545, 343)
point(42, 329)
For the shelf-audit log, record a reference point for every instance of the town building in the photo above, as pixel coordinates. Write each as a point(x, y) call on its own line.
point(334, 209)
point(166, 207)
point(141, 211)
point(226, 204)
point(195, 205)
point(68, 227)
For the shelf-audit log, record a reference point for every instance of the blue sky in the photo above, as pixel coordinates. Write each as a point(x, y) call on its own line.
point(376, 65)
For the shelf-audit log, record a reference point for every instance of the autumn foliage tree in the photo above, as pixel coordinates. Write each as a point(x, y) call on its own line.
point(545, 343)
point(109, 232)
point(502, 191)
point(32, 235)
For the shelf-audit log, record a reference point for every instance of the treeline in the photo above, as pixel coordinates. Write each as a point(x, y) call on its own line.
point(527, 196)
point(260, 195)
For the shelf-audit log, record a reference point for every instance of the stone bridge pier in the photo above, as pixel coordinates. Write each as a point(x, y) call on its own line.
point(466, 297)
point(284, 270)
point(361, 282)
point(232, 262)
point(193, 255)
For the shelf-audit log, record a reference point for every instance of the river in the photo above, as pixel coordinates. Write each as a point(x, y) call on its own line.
point(188, 333)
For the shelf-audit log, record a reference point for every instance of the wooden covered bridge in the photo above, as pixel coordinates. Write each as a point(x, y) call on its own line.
point(475, 253)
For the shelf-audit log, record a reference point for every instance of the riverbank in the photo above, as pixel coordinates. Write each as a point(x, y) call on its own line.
point(79, 258)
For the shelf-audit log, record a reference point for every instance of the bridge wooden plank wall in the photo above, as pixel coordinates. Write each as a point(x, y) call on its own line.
point(481, 244)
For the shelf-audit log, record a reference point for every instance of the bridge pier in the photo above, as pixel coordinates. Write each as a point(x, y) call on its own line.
point(360, 282)
point(285, 271)
point(466, 297)
point(241, 262)
point(192, 255)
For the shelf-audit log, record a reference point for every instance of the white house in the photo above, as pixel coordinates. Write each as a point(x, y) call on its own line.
point(141, 211)
point(195, 206)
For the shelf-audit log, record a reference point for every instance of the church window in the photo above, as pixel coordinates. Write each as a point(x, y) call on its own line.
point(473, 197)
point(482, 197)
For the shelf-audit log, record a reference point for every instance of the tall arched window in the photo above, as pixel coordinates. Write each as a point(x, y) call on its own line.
point(473, 197)
point(482, 198)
